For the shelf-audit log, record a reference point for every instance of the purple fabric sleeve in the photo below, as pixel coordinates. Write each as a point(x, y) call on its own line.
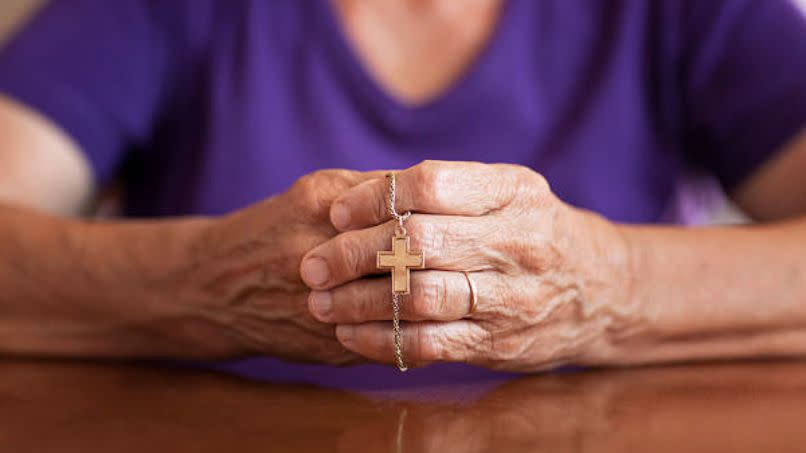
point(744, 82)
point(94, 67)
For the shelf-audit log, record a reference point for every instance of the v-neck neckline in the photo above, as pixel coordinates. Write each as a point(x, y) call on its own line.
point(366, 81)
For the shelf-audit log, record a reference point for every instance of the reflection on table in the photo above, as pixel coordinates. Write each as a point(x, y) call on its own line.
point(89, 407)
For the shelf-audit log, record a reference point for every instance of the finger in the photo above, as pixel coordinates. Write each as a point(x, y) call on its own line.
point(316, 191)
point(421, 342)
point(435, 296)
point(448, 243)
point(432, 187)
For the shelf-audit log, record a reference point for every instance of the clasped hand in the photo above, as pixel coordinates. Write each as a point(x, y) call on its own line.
point(552, 281)
point(295, 275)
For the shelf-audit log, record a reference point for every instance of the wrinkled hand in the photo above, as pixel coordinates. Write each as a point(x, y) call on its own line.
point(552, 280)
point(244, 290)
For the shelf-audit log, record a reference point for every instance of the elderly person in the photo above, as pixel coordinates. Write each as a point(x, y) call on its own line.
point(216, 118)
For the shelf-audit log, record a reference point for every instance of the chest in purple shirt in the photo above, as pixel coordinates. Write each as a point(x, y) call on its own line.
point(283, 94)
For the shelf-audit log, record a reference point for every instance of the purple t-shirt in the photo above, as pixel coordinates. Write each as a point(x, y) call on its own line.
point(205, 106)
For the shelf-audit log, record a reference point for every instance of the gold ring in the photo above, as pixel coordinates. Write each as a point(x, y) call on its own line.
point(474, 297)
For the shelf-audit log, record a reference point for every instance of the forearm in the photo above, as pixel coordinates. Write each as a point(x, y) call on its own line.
point(711, 293)
point(77, 288)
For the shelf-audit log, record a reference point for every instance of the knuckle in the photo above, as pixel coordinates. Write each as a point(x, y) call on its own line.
point(429, 182)
point(303, 184)
point(425, 345)
point(416, 228)
point(427, 168)
point(317, 177)
point(337, 179)
point(329, 175)
point(314, 190)
point(540, 182)
point(425, 235)
point(348, 249)
point(506, 350)
point(457, 345)
point(504, 347)
point(430, 298)
point(349, 304)
point(382, 205)
point(526, 179)
point(365, 306)
point(306, 190)
point(536, 182)
point(531, 185)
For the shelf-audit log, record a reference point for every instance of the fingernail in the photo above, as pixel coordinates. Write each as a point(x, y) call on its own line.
point(315, 271)
point(345, 334)
point(322, 303)
point(340, 216)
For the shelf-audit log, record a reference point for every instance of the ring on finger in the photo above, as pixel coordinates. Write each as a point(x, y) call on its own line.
point(474, 298)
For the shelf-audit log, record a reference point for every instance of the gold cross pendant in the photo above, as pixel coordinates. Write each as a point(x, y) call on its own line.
point(401, 260)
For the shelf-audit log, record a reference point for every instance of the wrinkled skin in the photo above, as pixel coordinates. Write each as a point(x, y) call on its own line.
point(553, 281)
point(243, 292)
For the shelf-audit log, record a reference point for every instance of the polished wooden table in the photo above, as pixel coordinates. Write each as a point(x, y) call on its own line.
point(95, 407)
